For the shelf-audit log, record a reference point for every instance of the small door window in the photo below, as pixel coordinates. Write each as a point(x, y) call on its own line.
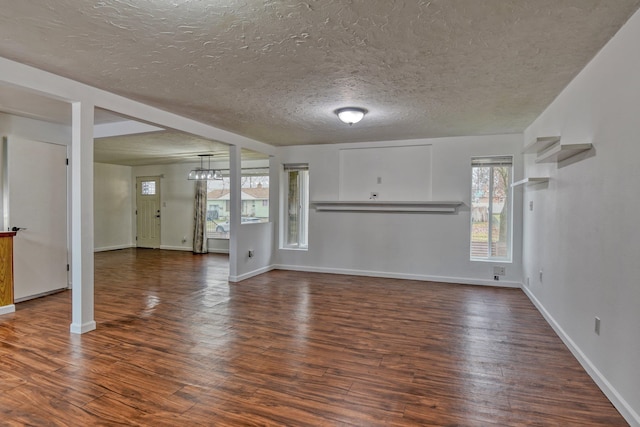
point(148, 188)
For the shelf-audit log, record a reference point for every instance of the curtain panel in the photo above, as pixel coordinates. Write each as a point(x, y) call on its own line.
point(200, 219)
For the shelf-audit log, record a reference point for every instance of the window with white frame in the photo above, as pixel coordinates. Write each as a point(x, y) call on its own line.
point(296, 217)
point(491, 208)
point(254, 195)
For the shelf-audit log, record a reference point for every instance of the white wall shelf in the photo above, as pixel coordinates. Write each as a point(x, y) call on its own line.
point(559, 152)
point(549, 149)
point(530, 181)
point(386, 206)
point(540, 144)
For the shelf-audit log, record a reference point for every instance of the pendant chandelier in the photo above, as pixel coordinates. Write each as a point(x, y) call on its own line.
point(202, 174)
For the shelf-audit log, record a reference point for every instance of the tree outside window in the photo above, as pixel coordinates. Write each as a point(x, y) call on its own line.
point(491, 208)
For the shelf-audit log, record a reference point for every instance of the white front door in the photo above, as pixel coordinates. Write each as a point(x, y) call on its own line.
point(148, 211)
point(37, 201)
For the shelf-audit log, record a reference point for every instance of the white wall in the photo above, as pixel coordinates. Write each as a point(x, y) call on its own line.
point(260, 238)
point(220, 246)
point(256, 237)
point(398, 173)
point(583, 232)
point(36, 130)
point(114, 200)
point(420, 246)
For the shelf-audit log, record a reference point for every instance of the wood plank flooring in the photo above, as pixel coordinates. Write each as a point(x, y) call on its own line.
point(177, 345)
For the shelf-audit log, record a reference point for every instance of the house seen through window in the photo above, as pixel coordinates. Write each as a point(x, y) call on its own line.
point(491, 208)
point(254, 201)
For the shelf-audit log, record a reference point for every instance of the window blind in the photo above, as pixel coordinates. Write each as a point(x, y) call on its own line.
point(492, 161)
point(296, 166)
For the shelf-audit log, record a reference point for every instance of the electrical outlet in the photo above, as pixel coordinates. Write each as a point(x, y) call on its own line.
point(379, 180)
point(540, 275)
point(531, 205)
point(498, 271)
point(597, 326)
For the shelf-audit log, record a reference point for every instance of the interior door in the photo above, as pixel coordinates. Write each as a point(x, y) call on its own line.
point(148, 211)
point(37, 202)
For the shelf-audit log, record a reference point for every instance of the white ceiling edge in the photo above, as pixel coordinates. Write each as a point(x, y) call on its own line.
point(125, 127)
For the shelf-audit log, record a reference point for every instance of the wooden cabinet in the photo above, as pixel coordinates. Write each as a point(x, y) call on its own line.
point(6, 268)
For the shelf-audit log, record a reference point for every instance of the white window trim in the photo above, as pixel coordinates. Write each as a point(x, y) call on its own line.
point(303, 226)
point(494, 161)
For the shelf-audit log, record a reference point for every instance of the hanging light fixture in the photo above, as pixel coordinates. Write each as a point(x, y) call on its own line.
point(202, 174)
point(350, 115)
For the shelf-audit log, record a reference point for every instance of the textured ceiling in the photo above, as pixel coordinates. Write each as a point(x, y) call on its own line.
point(157, 148)
point(275, 70)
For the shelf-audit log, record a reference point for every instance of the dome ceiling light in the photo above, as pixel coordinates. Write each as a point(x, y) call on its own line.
point(350, 115)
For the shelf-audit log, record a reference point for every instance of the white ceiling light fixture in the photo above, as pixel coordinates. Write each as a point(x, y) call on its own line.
point(202, 174)
point(350, 115)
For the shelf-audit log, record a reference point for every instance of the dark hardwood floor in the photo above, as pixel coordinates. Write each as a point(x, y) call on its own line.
point(177, 345)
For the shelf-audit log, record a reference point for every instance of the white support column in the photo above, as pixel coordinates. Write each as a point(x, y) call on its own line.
point(235, 208)
point(82, 268)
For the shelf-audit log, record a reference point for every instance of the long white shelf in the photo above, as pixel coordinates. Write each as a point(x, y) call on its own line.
point(530, 181)
point(559, 152)
point(539, 144)
point(386, 206)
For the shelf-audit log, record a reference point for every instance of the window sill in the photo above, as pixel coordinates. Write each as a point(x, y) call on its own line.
point(293, 248)
point(493, 260)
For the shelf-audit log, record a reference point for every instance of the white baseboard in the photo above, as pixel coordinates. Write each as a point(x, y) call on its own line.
point(218, 251)
point(6, 309)
point(629, 414)
point(404, 276)
point(43, 294)
point(82, 329)
point(190, 249)
point(177, 248)
point(235, 279)
point(113, 248)
point(164, 247)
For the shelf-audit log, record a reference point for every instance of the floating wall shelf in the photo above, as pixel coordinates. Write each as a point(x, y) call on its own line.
point(530, 181)
point(386, 206)
point(549, 149)
point(540, 144)
point(559, 152)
